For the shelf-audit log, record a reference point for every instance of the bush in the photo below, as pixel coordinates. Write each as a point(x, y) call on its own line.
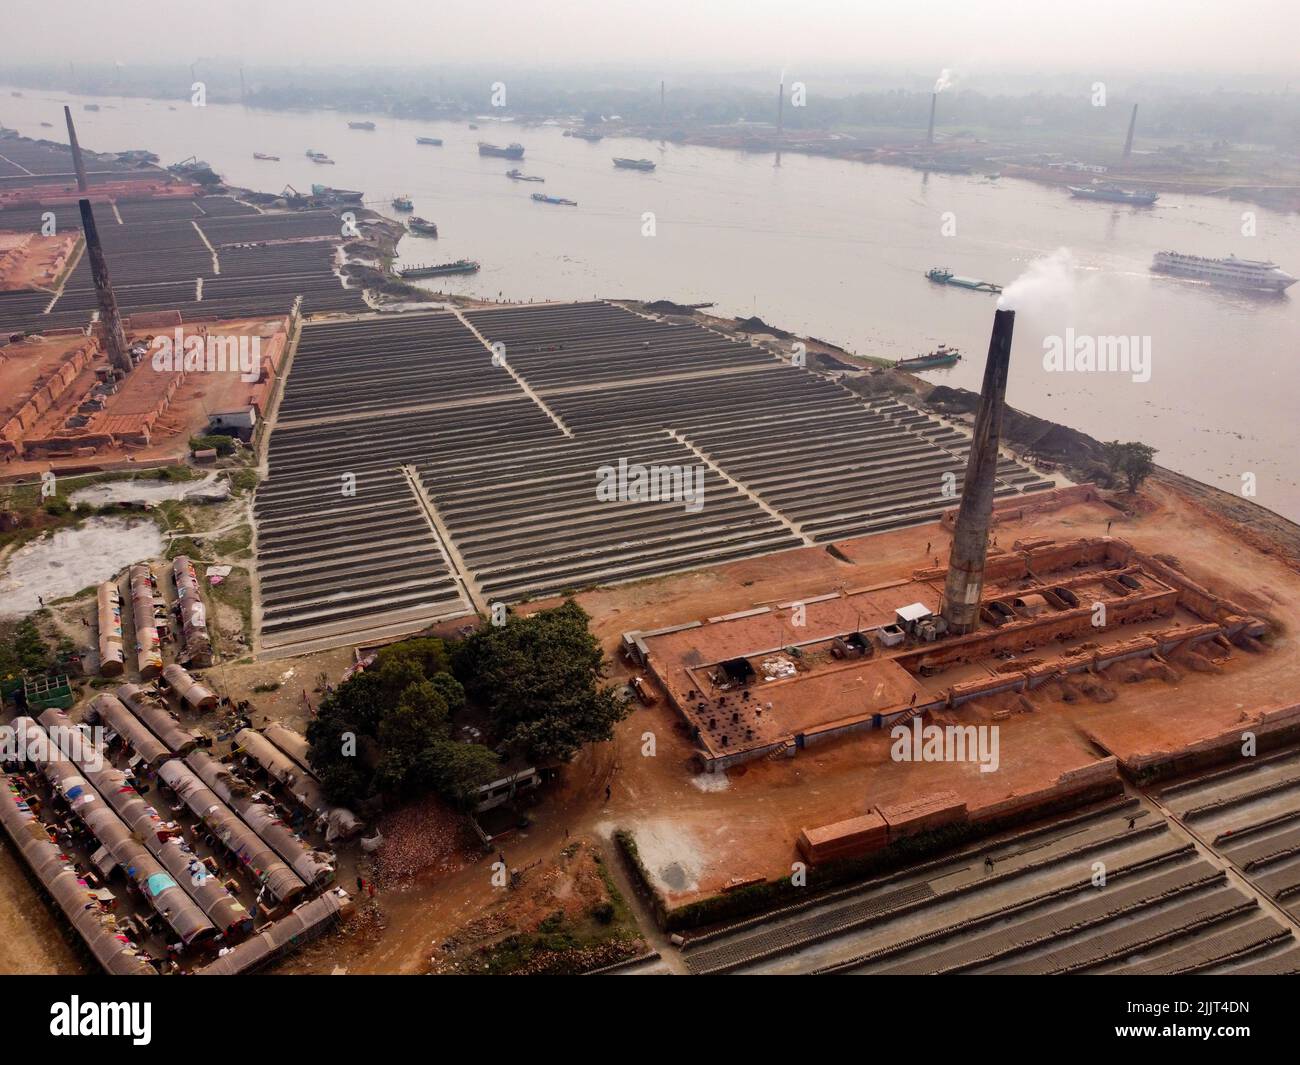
point(223, 445)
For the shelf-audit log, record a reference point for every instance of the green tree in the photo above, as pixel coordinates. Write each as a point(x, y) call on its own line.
point(539, 678)
point(456, 770)
point(1133, 461)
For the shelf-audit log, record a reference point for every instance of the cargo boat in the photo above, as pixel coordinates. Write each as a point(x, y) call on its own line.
point(519, 175)
point(324, 192)
point(1113, 194)
point(634, 164)
point(510, 151)
point(584, 134)
point(403, 203)
point(361, 125)
point(940, 356)
point(269, 158)
point(1230, 272)
point(435, 141)
point(941, 276)
point(541, 198)
point(423, 226)
point(460, 266)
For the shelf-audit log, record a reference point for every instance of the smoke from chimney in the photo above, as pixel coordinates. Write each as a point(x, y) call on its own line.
point(944, 81)
point(965, 581)
point(109, 319)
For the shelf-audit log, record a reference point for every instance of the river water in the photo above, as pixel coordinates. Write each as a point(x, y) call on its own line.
point(823, 247)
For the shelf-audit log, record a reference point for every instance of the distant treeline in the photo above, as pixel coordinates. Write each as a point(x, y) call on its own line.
point(1256, 118)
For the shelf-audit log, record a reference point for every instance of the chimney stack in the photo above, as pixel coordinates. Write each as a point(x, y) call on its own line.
point(929, 136)
point(109, 319)
point(78, 163)
point(965, 582)
point(1132, 125)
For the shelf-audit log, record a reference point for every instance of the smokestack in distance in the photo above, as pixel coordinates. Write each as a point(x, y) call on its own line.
point(929, 136)
point(78, 163)
point(970, 535)
point(1132, 125)
point(109, 318)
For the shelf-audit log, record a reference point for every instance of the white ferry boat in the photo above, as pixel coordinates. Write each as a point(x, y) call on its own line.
point(1230, 272)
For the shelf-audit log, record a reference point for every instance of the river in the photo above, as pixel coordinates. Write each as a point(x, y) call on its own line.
point(819, 246)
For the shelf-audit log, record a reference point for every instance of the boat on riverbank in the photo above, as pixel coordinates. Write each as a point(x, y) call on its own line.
point(329, 195)
point(942, 276)
point(943, 355)
point(460, 266)
point(423, 226)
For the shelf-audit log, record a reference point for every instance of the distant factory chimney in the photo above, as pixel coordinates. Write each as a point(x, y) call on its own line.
point(78, 164)
point(965, 582)
point(929, 135)
point(1132, 125)
point(109, 319)
point(780, 118)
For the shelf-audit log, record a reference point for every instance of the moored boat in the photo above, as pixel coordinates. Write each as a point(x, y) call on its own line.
point(460, 266)
point(423, 226)
point(403, 203)
point(940, 356)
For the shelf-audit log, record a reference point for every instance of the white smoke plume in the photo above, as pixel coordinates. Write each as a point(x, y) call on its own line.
point(945, 80)
point(1048, 284)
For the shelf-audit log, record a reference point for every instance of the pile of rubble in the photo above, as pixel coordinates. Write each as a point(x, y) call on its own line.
point(424, 835)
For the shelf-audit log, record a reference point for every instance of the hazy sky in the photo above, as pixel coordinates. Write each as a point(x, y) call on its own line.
point(1209, 36)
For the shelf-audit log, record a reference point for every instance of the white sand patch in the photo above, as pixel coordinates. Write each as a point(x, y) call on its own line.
point(670, 854)
point(711, 781)
point(140, 490)
point(63, 563)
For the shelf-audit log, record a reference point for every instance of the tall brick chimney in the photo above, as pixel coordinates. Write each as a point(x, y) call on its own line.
point(1132, 125)
point(929, 136)
point(83, 186)
point(965, 581)
point(110, 320)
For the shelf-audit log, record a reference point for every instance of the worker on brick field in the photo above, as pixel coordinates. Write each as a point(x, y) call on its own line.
point(927, 547)
point(988, 863)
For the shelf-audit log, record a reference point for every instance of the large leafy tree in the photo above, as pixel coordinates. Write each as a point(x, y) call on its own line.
point(539, 677)
point(1133, 461)
point(388, 730)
